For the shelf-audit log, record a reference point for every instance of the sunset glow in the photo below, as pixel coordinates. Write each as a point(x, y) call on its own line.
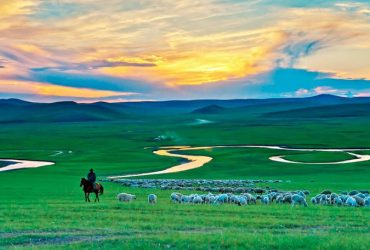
point(178, 49)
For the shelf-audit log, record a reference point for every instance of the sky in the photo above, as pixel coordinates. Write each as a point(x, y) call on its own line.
point(123, 50)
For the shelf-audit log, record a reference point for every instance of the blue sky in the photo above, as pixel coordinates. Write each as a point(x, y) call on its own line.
point(90, 50)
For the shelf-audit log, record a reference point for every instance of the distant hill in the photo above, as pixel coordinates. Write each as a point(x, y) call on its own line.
point(338, 111)
point(56, 112)
point(210, 109)
point(14, 101)
point(15, 110)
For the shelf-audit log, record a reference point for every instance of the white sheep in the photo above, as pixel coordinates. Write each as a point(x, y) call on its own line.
point(124, 197)
point(265, 199)
point(197, 199)
point(301, 194)
point(242, 200)
point(359, 200)
point(367, 201)
point(279, 199)
point(234, 199)
point(152, 199)
point(338, 201)
point(324, 200)
point(222, 198)
point(176, 197)
point(351, 202)
point(185, 199)
point(314, 200)
point(298, 199)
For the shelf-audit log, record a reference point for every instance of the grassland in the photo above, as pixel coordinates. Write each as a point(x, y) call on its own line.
point(44, 208)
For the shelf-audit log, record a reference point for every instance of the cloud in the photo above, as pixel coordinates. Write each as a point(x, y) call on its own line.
point(363, 94)
point(94, 65)
point(44, 89)
point(93, 81)
point(183, 48)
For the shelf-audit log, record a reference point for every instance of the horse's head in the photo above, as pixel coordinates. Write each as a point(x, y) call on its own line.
point(83, 182)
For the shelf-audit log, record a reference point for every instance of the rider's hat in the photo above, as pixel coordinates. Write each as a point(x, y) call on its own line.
point(91, 169)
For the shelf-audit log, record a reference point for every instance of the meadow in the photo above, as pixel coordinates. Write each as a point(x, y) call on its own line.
point(44, 208)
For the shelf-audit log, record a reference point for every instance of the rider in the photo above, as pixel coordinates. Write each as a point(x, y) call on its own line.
point(91, 177)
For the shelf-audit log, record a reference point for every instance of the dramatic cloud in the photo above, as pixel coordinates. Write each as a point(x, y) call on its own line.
point(182, 49)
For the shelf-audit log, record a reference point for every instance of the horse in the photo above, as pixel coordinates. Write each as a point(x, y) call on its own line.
point(88, 188)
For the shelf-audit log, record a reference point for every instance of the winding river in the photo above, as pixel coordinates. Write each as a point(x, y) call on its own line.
point(19, 164)
point(197, 161)
point(15, 164)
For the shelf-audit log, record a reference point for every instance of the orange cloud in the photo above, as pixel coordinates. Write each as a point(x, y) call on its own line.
point(37, 88)
point(187, 42)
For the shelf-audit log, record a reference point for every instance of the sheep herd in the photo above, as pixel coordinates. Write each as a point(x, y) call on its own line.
point(293, 198)
point(214, 186)
point(239, 192)
point(353, 198)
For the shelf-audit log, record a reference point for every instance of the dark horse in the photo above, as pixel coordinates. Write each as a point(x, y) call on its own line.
point(88, 188)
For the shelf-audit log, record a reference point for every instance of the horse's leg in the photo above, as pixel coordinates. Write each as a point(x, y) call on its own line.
point(85, 197)
point(88, 197)
point(97, 196)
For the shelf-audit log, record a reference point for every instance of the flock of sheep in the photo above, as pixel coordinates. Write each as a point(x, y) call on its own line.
point(214, 186)
point(293, 198)
point(353, 198)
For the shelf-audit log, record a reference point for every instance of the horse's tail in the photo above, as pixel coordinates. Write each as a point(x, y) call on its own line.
point(101, 189)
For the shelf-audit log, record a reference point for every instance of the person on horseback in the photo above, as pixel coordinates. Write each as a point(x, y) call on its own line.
point(91, 177)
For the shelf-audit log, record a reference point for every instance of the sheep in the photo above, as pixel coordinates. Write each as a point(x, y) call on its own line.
point(314, 200)
point(332, 197)
point(359, 200)
point(273, 196)
point(124, 197)
point(242, 201)
point(279, 199)
point(306, 192)
point(351, 202)
point(212, 199)
point(265, 199)
point(250, 198)
point(152, 199)
point(222, 198)
point(326, 192)
point(298, 199)
point(324, 200)
point(206, 198)
point(185, 199)
point(363, 196)
point(176, 197)
point(354, 192)
point(338, 201)
point(197, 199)
point(287, 198)
point(259, 190)
point(367, 201)
point(301, 194)
point(234, 199)
point(343, 198)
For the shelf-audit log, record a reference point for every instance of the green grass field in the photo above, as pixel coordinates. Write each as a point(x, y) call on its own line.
point(44, 208)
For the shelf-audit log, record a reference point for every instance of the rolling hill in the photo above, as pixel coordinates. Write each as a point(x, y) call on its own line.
point(211, 109)
point(339, 111)
point(19, 111)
